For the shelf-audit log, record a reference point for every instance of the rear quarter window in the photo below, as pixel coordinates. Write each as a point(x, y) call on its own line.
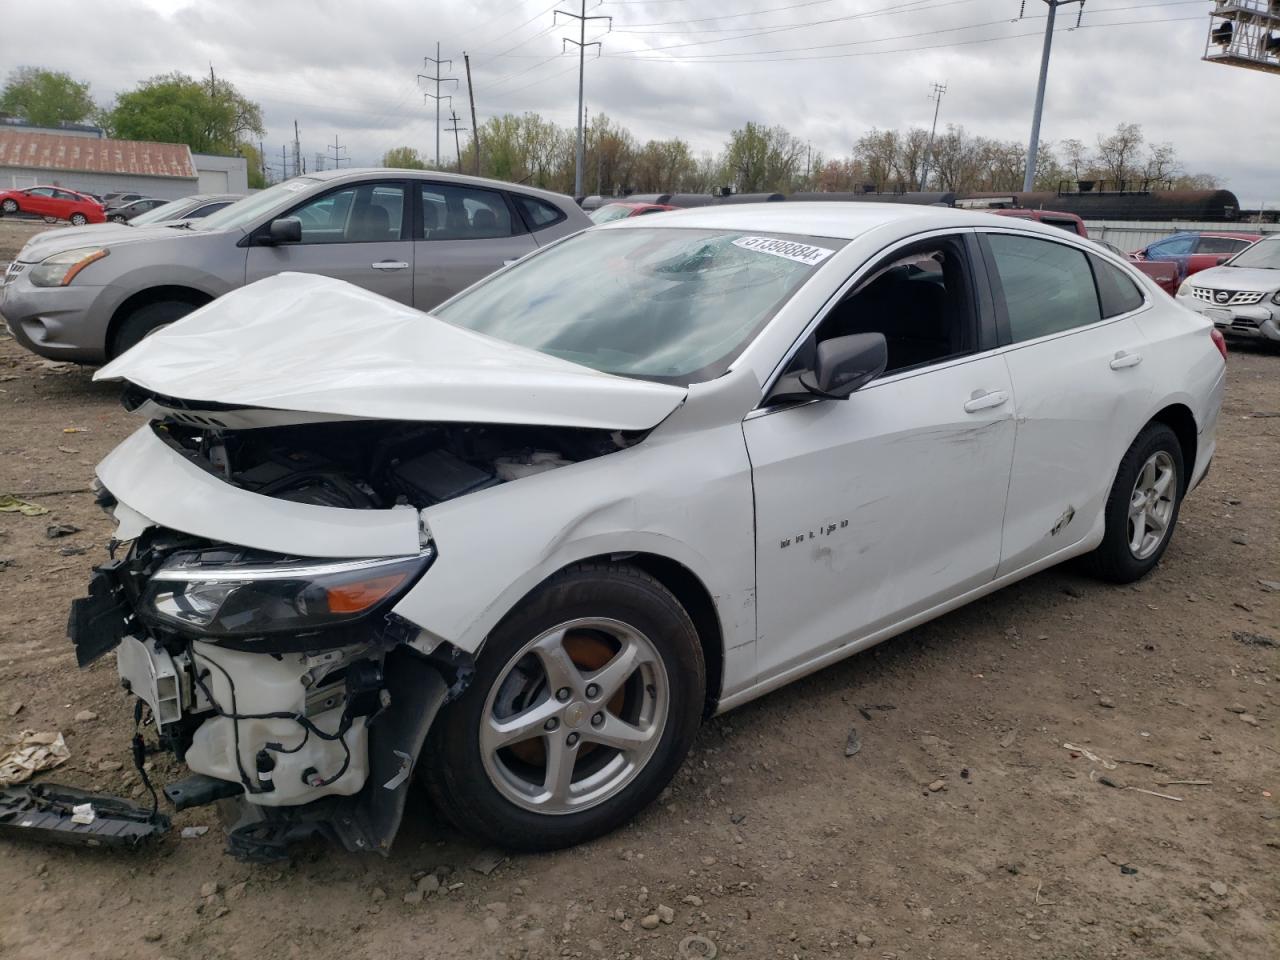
point(1117, 293)
point(538, 214)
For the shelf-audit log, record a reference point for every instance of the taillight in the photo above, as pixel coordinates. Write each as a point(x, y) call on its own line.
point(1219, 341)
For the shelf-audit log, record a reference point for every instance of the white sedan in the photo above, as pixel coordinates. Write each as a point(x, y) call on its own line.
point(647, 474)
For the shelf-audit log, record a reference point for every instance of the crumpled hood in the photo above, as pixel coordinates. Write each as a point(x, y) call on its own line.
point(1237, 278)
point(316, 345)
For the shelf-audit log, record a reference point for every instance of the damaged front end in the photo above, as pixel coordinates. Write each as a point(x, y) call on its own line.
point(278, 680)
point(285, 682)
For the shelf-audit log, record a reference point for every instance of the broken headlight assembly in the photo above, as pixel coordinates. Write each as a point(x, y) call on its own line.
point(246, 603)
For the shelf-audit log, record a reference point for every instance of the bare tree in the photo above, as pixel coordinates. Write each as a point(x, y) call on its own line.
point(1118, 154)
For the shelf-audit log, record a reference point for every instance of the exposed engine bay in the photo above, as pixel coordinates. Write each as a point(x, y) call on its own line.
point(364, 464)
point(287, 682)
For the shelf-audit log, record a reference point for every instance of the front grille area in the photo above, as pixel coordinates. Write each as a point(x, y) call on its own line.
point(1235, 298)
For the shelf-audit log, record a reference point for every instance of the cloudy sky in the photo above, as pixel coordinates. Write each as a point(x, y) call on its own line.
point(826, 69)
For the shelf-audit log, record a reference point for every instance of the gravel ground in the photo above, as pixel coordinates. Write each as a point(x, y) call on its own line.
point(963, 827)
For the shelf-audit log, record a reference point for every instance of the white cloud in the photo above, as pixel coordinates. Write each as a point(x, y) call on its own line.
point(350, 69)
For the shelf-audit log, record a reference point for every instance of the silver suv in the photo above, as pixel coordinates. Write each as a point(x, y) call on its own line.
point(414, 236)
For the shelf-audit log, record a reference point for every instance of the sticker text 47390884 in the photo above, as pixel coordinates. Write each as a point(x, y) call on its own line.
point(789, 249)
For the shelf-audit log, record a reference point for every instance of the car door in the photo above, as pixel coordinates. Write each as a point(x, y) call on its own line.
point(65, 203)
point(466, 233)
point(1075, 351)
point(356, 232)
point(873, 509)
point(39, 201)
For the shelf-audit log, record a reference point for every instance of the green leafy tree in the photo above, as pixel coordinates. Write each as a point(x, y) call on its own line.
point(210, 117)
point(46, 97)
point(253, 159)
point(404, 158)
point(761, 158)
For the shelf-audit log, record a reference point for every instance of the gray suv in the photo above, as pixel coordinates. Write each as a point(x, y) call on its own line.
point(414, 236)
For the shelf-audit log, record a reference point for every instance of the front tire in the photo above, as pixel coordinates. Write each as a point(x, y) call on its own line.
point(584, 703)
point(1142, 509)
point(145, 321)
point(10, 207)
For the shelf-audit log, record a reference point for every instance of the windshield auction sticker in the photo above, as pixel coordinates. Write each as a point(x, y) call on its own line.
point(789, 249)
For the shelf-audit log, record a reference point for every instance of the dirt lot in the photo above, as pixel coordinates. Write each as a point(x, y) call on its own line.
point(771, 843)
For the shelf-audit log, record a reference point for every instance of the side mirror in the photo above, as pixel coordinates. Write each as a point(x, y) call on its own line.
point(841, 366)
point(285, 230)
point(846, 364)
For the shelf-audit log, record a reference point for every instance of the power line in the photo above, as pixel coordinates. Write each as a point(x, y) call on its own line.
point(751, 57)
point(437, 97)
point(730, 16)
point(936, 95)
point(453, 117)
point(337, 149)
point(581, 43)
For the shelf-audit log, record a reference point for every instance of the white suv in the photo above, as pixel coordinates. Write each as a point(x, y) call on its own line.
point(1241, 297)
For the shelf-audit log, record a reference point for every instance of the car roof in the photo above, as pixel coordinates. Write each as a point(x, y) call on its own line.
point(359, 173)
point(841, 220)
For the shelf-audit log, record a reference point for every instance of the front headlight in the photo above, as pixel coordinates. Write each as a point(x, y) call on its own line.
point(194, 593)
point(1185, 289)
point(1275, 298)
point(61, 268)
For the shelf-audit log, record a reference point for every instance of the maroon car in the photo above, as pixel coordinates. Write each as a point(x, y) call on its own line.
point(1164, 272)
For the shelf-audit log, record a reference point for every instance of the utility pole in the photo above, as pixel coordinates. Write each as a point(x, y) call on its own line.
point(581, 44)
point(262, 159)
point(1029, 181)
point(320, 159)
point(475, 128)
point(453, 117)
point(936, 96)
point(284, 162)
point(337, 149)
point(437, 97)
point(297, 151)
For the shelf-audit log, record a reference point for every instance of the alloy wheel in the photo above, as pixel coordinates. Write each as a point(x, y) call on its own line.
point(1151, 505)
point(574, 716)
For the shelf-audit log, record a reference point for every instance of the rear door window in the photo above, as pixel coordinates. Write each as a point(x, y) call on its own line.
point(1048, 287)
point(451, 212)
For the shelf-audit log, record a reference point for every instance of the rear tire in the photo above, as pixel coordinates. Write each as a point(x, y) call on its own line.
point(1142, 510)
point(79, 219)
point(145, 321)
point(599, 654)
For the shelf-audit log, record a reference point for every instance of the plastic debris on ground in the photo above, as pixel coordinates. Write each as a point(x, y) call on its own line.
point(28, 753)
point(11, 504)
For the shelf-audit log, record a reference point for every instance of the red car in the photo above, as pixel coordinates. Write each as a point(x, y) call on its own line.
point(1164, 272)
point(1193, 252)
point(53, 203)
point(620, 210)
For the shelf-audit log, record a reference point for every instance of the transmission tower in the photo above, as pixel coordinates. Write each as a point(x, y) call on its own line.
point(437, 96)
point(581, 44)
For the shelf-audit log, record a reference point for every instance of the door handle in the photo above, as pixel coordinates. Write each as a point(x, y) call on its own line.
point(1124, 359)
point(985, 401)
point(390, 265)
point(507, 263)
